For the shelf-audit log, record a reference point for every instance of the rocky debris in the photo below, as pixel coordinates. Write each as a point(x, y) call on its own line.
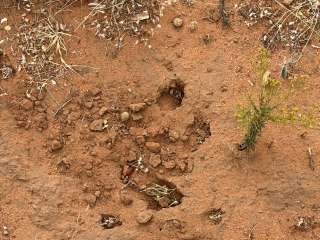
point(98, 125)
point(215, 215)
point(137, 107)
point(124, 116)
point(103, 111)
point(26, 104)
point(155, 160)
point(153, 147)
point(123, 235)
point(125, 199)
point(144, 217)
point(56, 145)
point(109, 221)
point(193, 26)
point(177, 22)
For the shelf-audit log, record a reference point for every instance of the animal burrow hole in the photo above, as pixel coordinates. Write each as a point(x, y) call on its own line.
point(171, 95)
point(162, 194)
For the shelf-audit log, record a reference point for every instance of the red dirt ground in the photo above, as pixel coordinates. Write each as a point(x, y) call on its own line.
point(60, 194)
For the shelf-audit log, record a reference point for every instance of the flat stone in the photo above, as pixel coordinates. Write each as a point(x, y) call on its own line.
point(153, 147)
point(144, 217)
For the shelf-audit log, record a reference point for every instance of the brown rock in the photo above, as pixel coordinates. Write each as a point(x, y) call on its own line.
point(103, 111)
point(97, 125)
point(56, 145)
point(153, 147)
point(155, 160)
point(26, 104)
point(144, 217)
point(137, 107)
point(164, 202)
point(173, 136)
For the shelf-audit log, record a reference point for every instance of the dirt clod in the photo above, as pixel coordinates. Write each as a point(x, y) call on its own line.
point(144, 217)
point(153, 147)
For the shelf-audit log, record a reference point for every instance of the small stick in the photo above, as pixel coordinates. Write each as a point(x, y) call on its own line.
point(223, 13)
point(62, 106)
point(311, 159)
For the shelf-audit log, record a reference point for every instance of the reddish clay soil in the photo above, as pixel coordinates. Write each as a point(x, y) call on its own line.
point(57, 176)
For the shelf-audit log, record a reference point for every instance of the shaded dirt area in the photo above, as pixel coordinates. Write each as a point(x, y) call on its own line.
point(69, 154)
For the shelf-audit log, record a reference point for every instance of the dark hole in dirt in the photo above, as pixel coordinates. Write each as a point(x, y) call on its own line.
point(162, 194)
point(171, 96)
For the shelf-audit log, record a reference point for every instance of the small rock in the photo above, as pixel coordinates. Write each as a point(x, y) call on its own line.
point(88, 105)
point(153, 147)
point(97, 125)
point(177, 22)
point(125, 199)
point(26, 104)
point(193, 26)
point(155, 160)
point(137, 116)
point(124, 116)
point(137, 107)
point(169, 164)
point(164, 202)
point(132, 156)
point(109, 221)
point(56, 145)
point(144, 217)
point(7, 28)
point(103, 111)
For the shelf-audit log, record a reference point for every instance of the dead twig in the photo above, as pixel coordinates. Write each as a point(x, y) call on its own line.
point(62, 106)
point(311, 159)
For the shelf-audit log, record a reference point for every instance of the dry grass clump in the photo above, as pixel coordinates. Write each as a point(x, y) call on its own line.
point(293, 26)
point(115, 19)
point(42, 47)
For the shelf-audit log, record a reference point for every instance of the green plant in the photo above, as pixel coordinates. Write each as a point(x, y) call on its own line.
point(258, 113)
point(272, 105)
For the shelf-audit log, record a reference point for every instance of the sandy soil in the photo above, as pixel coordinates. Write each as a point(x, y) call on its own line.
point(58, 176)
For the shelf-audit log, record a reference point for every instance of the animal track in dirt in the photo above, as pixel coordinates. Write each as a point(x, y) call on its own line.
point(171, 96)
